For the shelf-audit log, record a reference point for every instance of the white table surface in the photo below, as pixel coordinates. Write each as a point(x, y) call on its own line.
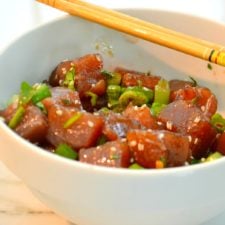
point(17, 205)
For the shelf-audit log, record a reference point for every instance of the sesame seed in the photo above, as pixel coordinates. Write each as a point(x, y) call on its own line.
point(113, 149)
point(72, 64)
point(131, 160)
point(59, 112)
point(189, 138)
point(161, 135)
point(98, 58)
point(196, 141)
point(203, 108)
point(197, 119)
point(169, 125)
point(135, 108)
point(90, 123)
point(85, 156)
point(141, 147)
point(133, 143)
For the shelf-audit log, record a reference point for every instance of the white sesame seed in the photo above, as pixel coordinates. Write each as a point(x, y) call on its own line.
point(131, 160)
point(113, 149)
point(103, 159)
point(90, 123)
point(161, 135)
point(203, 108)
point(140, 147)
point(189, 138)
point(196, 141)
point(85, 156)
point(59, 112)
point(98, 58)
point(135, 108)
point(197, 119)
point(169, 125)
point(133, 143)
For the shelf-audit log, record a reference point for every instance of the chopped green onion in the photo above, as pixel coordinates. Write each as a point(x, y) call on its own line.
point(102, 140)
point(17, 117)
point(162, 92)
point(113, 93)
point(135, 166)
point(218, 122)
point(26, 93)
point(41, 92)
point(156, 108)
point(41, 106)
point(66, 151)
point(93, 96)
point(72, 120)
point(70, 79)
point(112, 78)
point(213, 156)
point(195, 161)
point(137, 95)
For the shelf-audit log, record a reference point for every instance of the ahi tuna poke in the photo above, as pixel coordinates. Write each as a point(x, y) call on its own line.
point(120, 118)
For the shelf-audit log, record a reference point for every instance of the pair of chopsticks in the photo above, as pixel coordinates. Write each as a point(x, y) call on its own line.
point(133, 26)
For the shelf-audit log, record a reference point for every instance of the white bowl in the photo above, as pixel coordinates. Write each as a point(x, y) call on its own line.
point(92, 195)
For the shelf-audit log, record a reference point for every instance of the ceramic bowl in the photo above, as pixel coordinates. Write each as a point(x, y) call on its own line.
point(92, 195)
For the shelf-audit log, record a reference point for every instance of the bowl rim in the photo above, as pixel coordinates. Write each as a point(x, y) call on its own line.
point(102, 169)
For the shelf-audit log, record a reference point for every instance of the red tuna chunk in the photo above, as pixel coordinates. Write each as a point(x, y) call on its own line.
point(83, 133)
point(187, 119)
point(150, 147)
point(33, 126)
point(134, 78)
point(111, 154)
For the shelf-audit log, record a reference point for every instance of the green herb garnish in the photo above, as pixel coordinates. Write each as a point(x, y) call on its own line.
point(17, 117)
point(218, 122)
point(72, 120)
point(70, 79)
point(66, 151)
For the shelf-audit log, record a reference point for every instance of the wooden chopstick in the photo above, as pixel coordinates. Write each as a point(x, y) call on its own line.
point(184, 43)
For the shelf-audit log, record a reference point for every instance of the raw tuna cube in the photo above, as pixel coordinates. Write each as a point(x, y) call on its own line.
point(111, 154)
point(33, 126)
point(82, 133)
point(134, 78)
point(152, 147)
point(187, 119)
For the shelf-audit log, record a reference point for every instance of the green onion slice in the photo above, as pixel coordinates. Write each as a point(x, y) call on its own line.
point(70, 79)
point(17, 117)
point(136, 166)
point(112, 78)
point(214, 156)
point(218, 122)
point(66, 151)
point(72, 120)
point(93, 96)
point(41, 92)
point(162, 92)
